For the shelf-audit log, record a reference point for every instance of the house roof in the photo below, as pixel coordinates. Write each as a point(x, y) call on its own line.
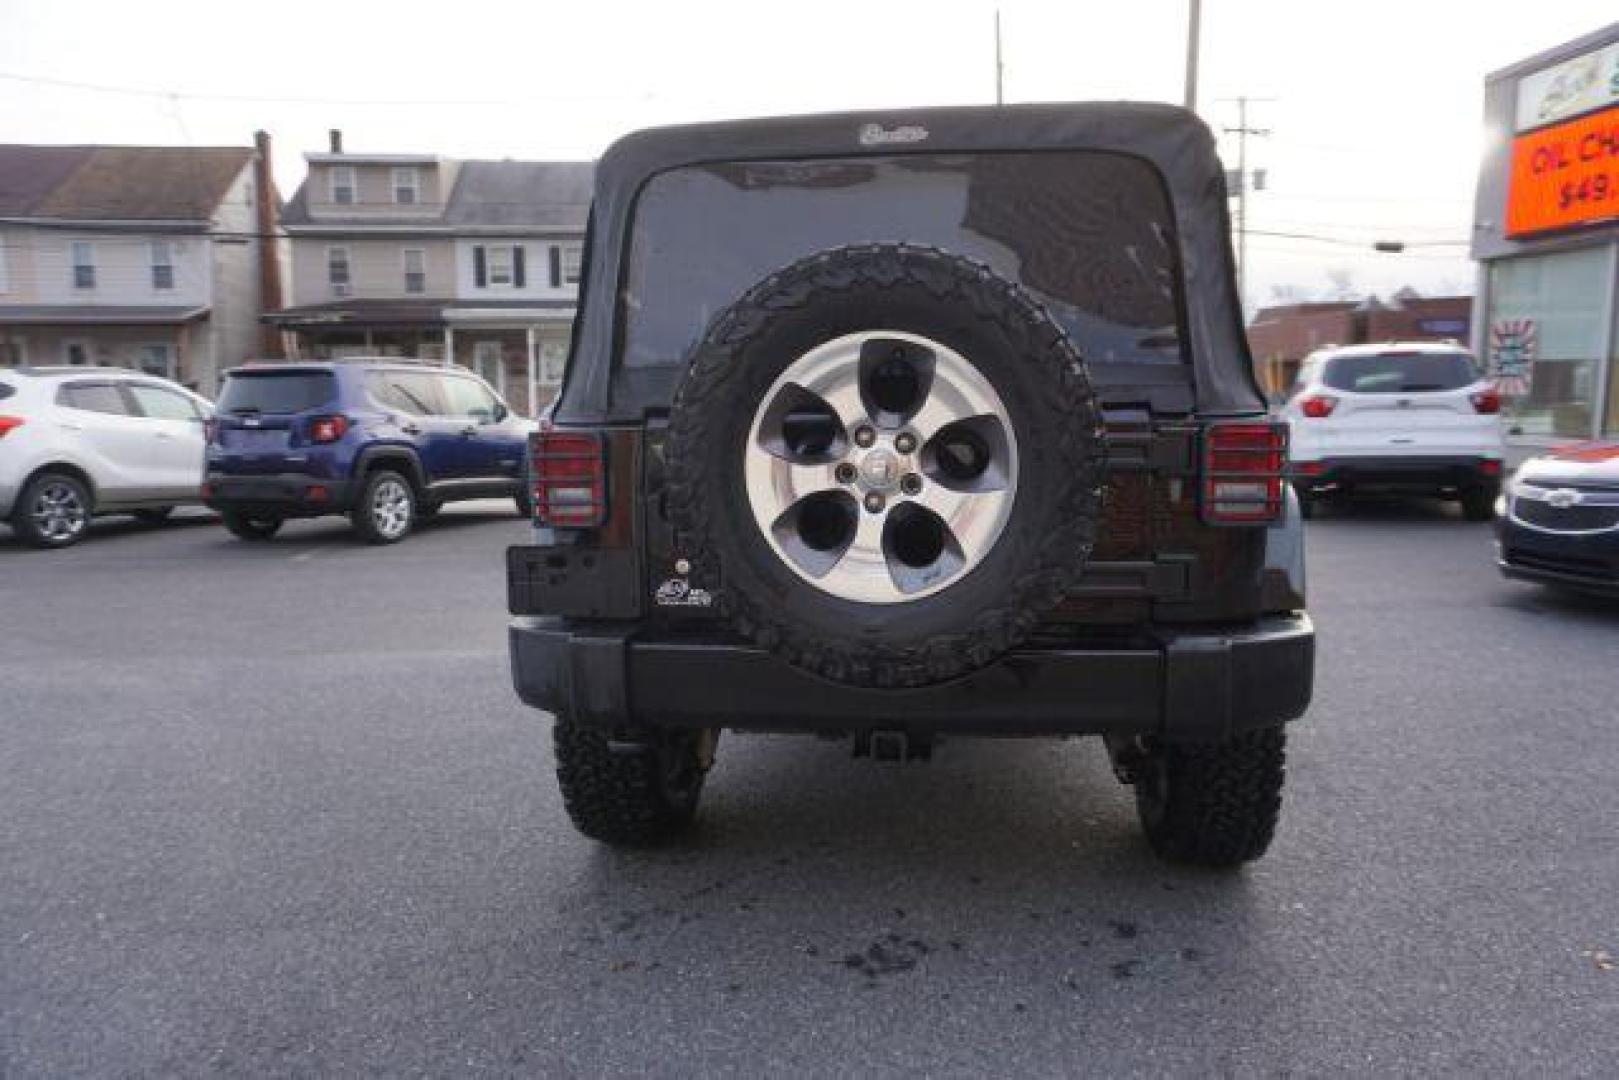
point(527, 196)
point(98, 314)
point(1304, 307)
point(415, 312)
point(117, 183)
point(489, 197)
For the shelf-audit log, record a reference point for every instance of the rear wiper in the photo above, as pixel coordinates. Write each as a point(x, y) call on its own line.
point(243, 410)
point(1417, 388)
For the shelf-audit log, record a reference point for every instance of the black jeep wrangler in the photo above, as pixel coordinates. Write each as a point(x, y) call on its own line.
point(901, 425)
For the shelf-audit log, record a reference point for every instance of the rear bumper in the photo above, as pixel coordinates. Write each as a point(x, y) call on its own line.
point(1195, 686)
point(1397, 473)
point(279, 494)
point(1588, 562)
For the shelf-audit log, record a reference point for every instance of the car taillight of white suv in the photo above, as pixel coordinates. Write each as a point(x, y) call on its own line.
point(1414, 419)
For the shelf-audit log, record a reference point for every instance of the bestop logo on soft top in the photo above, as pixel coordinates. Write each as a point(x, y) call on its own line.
point(877, 135)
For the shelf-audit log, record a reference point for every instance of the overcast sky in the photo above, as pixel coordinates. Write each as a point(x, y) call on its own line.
point(1375, 112)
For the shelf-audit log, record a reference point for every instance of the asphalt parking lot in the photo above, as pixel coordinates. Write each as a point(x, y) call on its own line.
point(274, 808)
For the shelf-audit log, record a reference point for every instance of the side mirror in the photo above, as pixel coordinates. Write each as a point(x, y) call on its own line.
point(501, 412)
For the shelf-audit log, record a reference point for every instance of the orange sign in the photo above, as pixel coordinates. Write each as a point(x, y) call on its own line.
point(1566, 174)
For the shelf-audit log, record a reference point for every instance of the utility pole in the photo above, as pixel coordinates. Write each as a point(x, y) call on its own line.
point(999, 98)
point(1194, 20)
point(1242, 131)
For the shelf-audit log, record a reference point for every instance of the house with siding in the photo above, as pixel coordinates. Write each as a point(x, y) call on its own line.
point(413, 255)
point(157, 258)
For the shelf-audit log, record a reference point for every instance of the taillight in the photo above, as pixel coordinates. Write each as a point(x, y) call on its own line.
point(210, 430)
point(1243, 466)
point(569, 476)
point(1487, 401)
point(8, 424)
point(1318, 406)
point(325, 429)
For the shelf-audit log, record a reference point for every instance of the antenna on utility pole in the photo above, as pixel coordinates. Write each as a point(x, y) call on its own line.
point(999, 98)
point(1242, 131)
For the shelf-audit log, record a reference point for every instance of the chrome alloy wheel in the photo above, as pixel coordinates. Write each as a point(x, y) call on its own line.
point(59, 512)
point(881, 466)
point(391, 509)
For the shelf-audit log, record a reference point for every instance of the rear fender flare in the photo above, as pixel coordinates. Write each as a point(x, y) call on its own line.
point(398, 457)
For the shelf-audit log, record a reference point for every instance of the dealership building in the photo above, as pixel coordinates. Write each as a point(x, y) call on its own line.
point(1546, 237)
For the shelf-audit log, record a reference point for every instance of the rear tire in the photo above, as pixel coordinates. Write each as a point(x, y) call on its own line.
point(53, 511)
point(1212, 804)
point(627, 797)
point(1478, 503)
point(386, 510)
point(247, 527)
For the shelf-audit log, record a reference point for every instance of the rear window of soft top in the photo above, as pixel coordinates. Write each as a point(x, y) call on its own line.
point(1400, 372)
point(1089, 233)
point(276, 391)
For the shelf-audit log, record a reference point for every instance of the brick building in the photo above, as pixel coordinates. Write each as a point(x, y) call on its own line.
point(1281, 336)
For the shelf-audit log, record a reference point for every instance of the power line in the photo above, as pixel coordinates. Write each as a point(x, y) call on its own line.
point(268, 99)
point(431, 231)
point(1347, 242)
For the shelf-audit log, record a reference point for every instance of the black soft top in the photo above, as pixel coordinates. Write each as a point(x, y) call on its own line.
point(1171, 139)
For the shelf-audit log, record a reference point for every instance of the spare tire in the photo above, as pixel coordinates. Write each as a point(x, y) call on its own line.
point(890, 461)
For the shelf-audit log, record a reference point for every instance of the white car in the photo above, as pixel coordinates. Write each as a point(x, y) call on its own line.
point(81, 441)
point(1414, 418)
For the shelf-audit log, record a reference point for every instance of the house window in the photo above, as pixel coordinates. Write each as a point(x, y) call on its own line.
point(343, 185)
point(415, 270)
point(84, 264)
point(337, 270)
point(487, 362)
point(76, 353)
point(162, 264)
point(553, 361)
point(157, 360)
point(500, 265)
point(407, 185)
point(572, 257)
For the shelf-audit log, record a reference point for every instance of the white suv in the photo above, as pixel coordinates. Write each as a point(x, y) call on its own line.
point(1411, 418)
point(80, 441)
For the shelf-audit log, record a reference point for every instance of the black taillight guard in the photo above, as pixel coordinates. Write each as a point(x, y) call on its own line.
point(568, 478)
point(1244, 465)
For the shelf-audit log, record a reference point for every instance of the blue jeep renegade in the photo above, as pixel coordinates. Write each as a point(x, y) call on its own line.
point(387, 442)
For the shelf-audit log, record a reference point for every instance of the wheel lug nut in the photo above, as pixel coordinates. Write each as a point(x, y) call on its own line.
point(874, 503)
point(905, 442)
point(845, 473)
point(910, 483)
point(864, 436)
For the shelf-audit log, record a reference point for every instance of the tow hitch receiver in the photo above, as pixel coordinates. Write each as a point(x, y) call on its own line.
point(893, 747)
